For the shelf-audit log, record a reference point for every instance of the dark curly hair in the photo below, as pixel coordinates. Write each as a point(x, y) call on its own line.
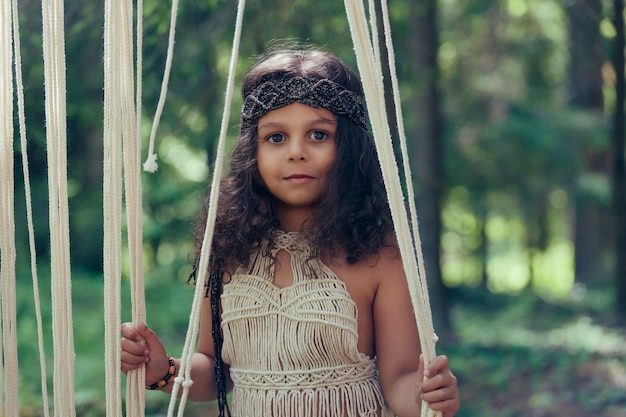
point(353, 219)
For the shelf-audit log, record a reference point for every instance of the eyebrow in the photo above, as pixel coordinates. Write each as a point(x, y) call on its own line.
point(270, 125)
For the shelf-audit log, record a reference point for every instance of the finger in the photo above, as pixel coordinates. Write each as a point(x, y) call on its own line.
point(153, 343)
point(448, 407)
point(418, 381)
point(132, 361)
point(130, 332)
point(437, 365)
point(439, 381)
point(133, 347)
point(129, 361)
point(440, 394)
point(420, 369)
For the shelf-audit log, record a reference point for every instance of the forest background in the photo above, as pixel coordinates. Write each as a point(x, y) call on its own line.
point(514, 114)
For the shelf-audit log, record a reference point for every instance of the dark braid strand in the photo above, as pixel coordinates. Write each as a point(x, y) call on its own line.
point(215, 290)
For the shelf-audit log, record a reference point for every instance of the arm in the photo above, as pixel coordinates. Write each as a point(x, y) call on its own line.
point(153, 355)
point(398, 349)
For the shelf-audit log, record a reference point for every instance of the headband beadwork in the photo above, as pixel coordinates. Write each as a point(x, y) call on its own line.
point(317, 93)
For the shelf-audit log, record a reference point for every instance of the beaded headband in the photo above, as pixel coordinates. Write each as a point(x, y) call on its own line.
point(314, 92)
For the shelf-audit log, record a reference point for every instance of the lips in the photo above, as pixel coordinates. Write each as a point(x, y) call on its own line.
point(298, 176)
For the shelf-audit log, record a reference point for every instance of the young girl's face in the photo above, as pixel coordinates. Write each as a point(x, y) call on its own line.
point(296, 148)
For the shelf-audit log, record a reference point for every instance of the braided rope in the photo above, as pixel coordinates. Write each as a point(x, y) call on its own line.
point(112, 211)
point(122, 175)
point(135, 384)
point(8, 372)
point(203, 267)
point(19, 85)
point(408, 238)
point(151, 162)
point(55, 110)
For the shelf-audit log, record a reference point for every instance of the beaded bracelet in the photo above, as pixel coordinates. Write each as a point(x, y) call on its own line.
point(166, 379)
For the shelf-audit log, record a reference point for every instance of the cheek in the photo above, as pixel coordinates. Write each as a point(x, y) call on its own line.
point(261, 164)
point(261, 172)
point(331, 157)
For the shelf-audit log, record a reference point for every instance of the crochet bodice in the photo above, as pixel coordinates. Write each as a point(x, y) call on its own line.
point(293, 351)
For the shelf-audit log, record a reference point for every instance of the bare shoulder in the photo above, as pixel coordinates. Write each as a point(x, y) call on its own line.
point(374, 269)
point(390, 274)
point(386, 265)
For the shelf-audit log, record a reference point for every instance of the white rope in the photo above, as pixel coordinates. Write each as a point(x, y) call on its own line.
point(131, 147)
point(184, 378)
point(374, 30)
point(112, 205)
point(19, 85)
point(122, 144)
point(373, 88)
point(151, 162)
point(135, 385)
point(9, 398)
point(426, 313)
point(55, 105)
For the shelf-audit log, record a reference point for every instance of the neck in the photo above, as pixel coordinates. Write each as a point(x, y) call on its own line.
point(294, 219)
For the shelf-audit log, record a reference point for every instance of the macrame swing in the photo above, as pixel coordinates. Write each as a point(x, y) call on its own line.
point(122, 144)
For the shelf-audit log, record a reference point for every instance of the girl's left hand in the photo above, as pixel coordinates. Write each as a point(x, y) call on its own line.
point(439, 388)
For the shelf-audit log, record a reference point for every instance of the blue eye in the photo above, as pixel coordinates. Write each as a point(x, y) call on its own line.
point(318, 135)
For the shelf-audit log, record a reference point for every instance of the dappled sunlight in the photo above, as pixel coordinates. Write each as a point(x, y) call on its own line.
point(506, 261)
point(462, 270)
point(518, 327)
point(553, 270)
point(189, 163)
point(508, 273)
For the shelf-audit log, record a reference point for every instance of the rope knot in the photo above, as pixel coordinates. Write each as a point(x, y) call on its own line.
point(151, 164)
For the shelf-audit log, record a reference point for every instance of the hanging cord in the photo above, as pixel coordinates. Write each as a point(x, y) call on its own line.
point(122, 144)
point(425, 305)
point(371, 7)
point(184, 377)
point(135, 385)
point(112, 201)
point(373, 86)
point(19, 85)
point(423, 310)
point(9, 403)
point(55, 110)
point(151, 162)
point(112, 207)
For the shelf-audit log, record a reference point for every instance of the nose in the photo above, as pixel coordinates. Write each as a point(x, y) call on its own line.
point(297, 150)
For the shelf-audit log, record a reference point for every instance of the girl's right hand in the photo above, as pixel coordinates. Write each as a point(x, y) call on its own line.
point(141, 346)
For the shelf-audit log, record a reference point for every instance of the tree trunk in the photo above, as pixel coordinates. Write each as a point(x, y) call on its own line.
point(619, 169)
point(585, 91)
point(426, 148)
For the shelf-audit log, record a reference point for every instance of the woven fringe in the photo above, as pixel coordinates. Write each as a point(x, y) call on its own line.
point(348, 400)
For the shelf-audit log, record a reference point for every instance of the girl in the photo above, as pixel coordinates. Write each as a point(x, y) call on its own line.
point(307, 310)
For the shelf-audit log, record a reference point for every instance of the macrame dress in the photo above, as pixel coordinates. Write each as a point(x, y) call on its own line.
point(293, 351)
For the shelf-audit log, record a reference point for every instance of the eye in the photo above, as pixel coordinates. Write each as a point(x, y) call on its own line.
point(318, 135)
point(275, 138)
